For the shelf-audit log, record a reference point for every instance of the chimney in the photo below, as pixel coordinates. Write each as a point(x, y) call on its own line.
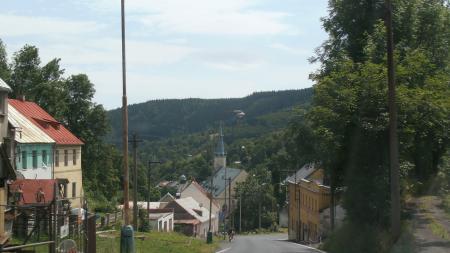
point(21, 98)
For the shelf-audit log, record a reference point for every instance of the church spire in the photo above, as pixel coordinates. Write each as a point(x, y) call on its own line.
point(220, 158)
point(220, 149)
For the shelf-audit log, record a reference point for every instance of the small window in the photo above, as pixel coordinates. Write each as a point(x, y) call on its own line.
point(66, 157)
point(44, 157)
point(34, 153)
point(24, 160)
point(74, 155)
point(74, 189)
point(57, 158)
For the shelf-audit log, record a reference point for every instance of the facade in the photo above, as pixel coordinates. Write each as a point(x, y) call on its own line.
point(308, 198)
point(67, 149)
point(31, 149)
point(191, 218)
point(199, 194)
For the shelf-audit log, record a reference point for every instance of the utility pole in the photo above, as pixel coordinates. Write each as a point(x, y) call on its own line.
point(393, 137)
point(240, 214)
point(126, 206)
point(148, 182)
point(229, 204)
point(135, 207)
point(135, 141)
point(225, 203)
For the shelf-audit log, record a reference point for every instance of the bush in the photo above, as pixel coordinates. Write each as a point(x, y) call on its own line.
point(352, 238)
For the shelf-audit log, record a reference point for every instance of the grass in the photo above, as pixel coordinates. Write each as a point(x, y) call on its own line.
point(438, 230)
point(156, 242)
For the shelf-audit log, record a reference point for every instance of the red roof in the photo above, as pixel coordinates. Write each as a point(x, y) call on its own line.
point(34, 191)
point(45, 122)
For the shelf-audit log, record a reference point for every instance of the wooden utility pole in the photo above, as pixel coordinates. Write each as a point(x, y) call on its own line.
point(135, 141)
point(393, 138)
point(126, 207)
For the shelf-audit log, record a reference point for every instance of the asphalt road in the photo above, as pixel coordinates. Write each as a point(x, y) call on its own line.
point(276, 243)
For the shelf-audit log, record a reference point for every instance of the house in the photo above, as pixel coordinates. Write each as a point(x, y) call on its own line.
point(167, 198)
point(191, 218)
point(6, 170)
point(199, 194)
point(161, 220)
point(308, 198)
point(67, 150)
point(31, 149)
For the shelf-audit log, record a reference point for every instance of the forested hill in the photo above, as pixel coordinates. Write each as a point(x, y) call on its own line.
point(163, 118)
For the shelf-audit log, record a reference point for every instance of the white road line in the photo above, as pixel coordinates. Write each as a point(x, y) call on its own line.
point(224, 250)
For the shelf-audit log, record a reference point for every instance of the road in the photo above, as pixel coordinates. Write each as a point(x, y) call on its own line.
point(275, 243)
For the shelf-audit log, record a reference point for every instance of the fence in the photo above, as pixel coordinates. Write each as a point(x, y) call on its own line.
point(110, 219)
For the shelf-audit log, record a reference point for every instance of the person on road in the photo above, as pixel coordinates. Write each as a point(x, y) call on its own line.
point(230, 234)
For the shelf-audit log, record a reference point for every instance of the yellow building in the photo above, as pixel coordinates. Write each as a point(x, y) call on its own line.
point(307, 198)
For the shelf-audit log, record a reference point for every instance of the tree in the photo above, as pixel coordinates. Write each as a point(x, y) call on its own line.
point(26, 72)
point(5, 71)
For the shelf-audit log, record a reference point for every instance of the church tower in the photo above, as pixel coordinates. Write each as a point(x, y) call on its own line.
point(220, 157)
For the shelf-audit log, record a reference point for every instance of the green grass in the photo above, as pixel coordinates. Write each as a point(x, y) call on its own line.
point(156, 242)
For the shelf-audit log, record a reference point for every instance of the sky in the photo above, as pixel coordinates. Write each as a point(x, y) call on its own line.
point(175, 48)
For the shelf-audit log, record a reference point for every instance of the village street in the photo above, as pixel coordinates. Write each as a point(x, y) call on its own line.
point(274, 243)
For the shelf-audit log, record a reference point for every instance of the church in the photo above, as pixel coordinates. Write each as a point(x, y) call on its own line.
point(224, 180)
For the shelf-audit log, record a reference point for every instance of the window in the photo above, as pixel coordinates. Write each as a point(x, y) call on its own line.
point(74, 154)
point(44, 157)
point(66, 157)
point(24, 160)
point(57, 158)
point(74, 189)
point(65, 191)
point(34, 153)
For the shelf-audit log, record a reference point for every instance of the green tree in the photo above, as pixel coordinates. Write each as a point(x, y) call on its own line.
point(5, 71)
point(26, 72)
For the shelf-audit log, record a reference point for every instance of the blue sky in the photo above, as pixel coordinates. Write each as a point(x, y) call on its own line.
point(175, 48)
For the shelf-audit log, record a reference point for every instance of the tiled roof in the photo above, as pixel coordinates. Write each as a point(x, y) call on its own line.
point(45, 122)
point(219, 179)
point(26, 131)
point(30, 189)
point(191, 206)
point(302, 173)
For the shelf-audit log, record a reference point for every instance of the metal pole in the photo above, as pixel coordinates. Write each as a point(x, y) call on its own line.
point(240, 214)
point(393, 138)
point(225, 204)
point(124, 122)
point(135, 183)
point(229, 204)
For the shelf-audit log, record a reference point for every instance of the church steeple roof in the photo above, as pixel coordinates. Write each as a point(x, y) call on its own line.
point(220, 149)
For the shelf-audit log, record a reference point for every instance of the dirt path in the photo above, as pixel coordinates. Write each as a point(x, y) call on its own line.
point(431, 226)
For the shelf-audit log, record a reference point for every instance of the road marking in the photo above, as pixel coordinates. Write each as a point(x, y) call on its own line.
point(224, 250)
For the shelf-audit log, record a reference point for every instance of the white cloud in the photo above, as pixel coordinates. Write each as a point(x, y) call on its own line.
point(16, 25)
point(291, 50)
point(230, 60)
point(228, 17)
point(108, 52)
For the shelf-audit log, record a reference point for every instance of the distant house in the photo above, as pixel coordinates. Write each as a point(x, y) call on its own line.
point(197, 192)
point(308, 198)
point(191, 218)
point(31, 149)
point(161, 220)
point(167, 198)
point(67, 151)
